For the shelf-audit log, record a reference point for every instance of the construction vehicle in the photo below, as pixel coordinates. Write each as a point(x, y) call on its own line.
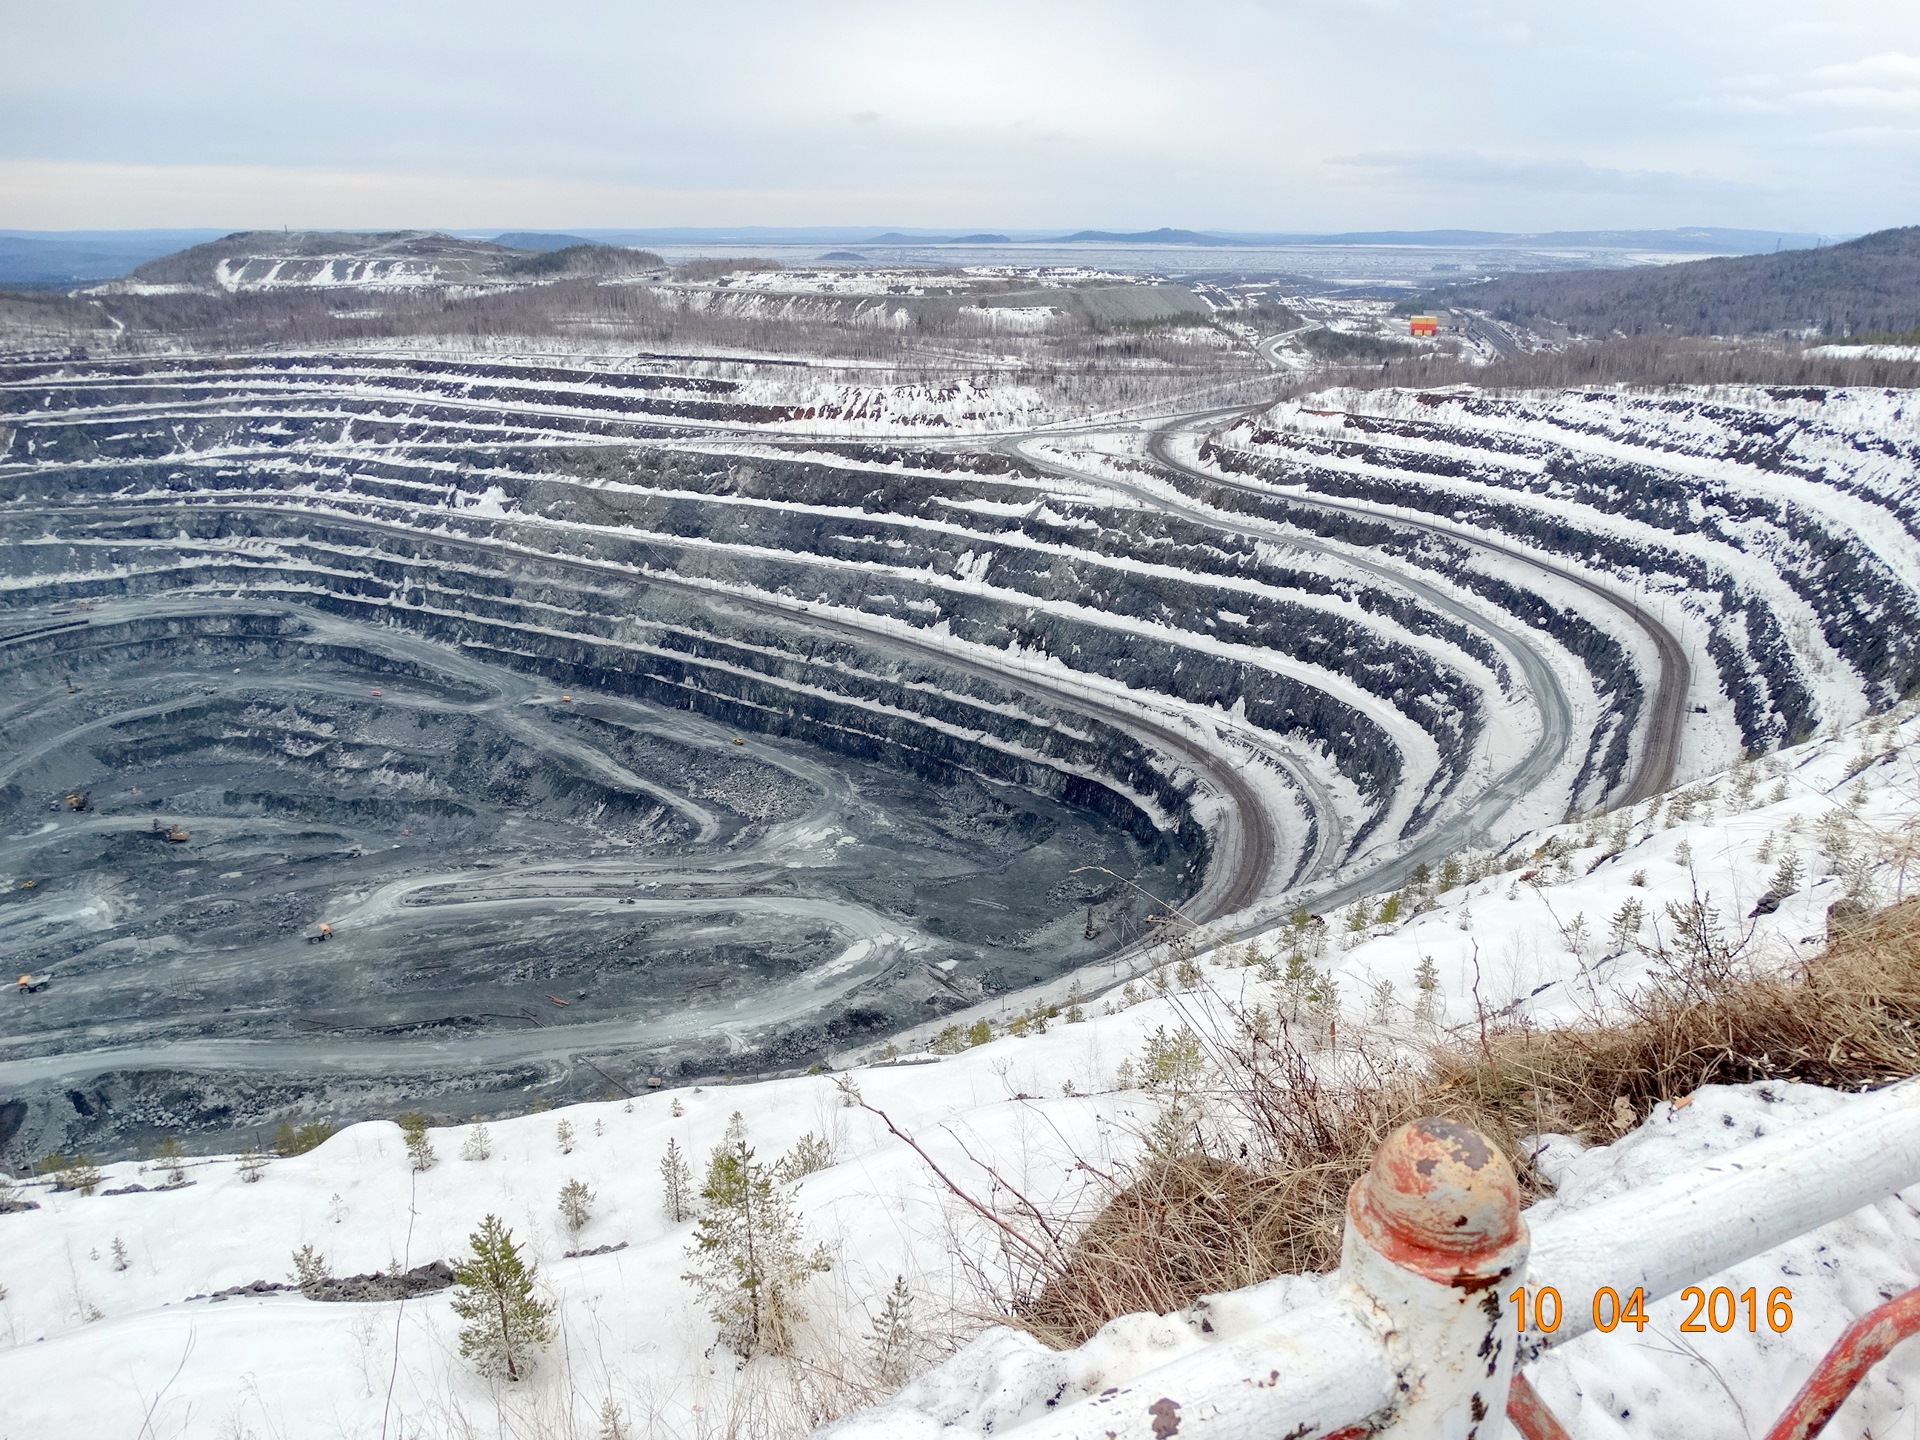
point(173, 834)
point(33, 984)
point(78, 800)
point(322, 932)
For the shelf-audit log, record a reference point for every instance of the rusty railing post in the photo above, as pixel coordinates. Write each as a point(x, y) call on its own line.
point(1434, 1244)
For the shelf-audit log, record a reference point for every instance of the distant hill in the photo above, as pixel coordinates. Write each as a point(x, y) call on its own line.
point(77, 256)
point(275, 260)
point(1162, 236)
point(583, 259)
point(1868, 285)
point(316, 259)
point(894, 237)
point(540, 240)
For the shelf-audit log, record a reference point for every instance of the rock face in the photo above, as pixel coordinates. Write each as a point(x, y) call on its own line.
point(615, 728)
point(254, 261)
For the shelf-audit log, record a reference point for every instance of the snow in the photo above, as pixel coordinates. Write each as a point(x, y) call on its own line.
point(90, 1349)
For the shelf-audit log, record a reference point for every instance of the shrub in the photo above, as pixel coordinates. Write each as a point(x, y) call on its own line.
point(292, 1139)
point(252, 1164)
point(72, 1172)
point(168, 1154)
point(507, 1323)
point(1173, 1062)
point(809, 1153)
point(1185, 1224)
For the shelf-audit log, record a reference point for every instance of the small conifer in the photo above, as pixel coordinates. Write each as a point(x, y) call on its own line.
point(507, 1323)
point(479, 1144)
point(310, 1267)
point(749, 1255)
point(168, 1154)
point(893, 1342)
point(576, 1206)
point(676, 1184)
point(413, 1125)
point(563, 1132)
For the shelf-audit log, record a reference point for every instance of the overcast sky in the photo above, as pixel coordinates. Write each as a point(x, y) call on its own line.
point(1209, 114)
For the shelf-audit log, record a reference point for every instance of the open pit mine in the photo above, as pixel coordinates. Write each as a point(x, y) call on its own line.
point(387, 732)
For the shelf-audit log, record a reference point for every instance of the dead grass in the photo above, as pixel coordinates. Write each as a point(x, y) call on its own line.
point(1195, 1220)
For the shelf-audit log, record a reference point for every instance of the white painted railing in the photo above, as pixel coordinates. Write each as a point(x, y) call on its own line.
point(1419, 1340)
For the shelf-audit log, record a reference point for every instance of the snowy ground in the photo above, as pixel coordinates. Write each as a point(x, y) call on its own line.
point(95, 1346)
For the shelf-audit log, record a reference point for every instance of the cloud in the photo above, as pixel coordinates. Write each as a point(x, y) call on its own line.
point(1889, 68)
point(994, 114)
point(1538, 175)
point(52, 194)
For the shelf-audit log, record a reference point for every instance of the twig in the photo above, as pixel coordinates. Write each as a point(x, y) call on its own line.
point(406, 1255)
point(1024, 1242)
point(146, 1425)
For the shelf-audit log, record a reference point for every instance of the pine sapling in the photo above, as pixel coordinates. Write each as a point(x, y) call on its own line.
point(507, 1324)
point(1624, 929)
point(478, 1145)
point(1786, 876)
point(310, 1267)
point(169, 1154)
point(809, 1153)
point(413, 1126)
point(252, 1164)
point(893, 1342)
point(576, 1206)
point(72, 1172)
point(120, 1260)
point(563, 1132)
point(676, 1185)
point(1426, 979)
point(749, 1254)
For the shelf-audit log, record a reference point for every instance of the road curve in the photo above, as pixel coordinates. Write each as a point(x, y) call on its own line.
point(1668, 710)
point(1245, 846)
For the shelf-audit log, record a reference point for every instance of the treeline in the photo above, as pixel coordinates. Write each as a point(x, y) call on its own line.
point(1641, 361)
point(1865, 286)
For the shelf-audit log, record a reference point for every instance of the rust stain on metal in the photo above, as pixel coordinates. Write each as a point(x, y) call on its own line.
point(1864, 1344)
point(1166, 1418)
point(1441, 1200)
point(1530, 1415)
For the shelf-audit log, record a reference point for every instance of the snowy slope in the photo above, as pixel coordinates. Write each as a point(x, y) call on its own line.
point(95, 1349)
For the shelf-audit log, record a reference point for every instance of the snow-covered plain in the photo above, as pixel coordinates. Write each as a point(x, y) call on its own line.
point(97, 1346)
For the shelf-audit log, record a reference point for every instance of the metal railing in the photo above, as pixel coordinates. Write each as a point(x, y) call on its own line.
point(1420, 1340)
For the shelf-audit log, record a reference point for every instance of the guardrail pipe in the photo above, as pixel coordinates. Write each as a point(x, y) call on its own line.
point(1419, 1340)
point(1678, 1231)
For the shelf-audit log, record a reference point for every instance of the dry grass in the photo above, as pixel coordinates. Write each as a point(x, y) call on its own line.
point(1195, 1220)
